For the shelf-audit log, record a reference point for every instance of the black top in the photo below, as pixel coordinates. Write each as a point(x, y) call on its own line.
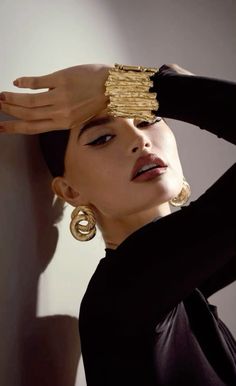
point(145, 319)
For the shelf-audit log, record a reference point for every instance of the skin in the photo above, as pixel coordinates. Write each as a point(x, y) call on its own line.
point(75, 95)
point(99, 176)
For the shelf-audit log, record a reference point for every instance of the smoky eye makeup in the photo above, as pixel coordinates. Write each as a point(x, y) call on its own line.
point(101, 121)
point(146, 123)
point(101, 140)
point(98, 136)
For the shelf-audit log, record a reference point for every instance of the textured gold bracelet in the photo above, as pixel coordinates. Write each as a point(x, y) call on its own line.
point(128, 91)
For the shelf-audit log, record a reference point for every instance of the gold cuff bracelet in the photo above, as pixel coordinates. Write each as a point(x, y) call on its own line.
point(128, 90)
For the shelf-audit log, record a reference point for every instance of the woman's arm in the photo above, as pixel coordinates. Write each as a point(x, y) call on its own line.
point(205, 102)
point(76, 94)
point(209, 105)
point(184, 250)
point(162, 263)
point(223, 277)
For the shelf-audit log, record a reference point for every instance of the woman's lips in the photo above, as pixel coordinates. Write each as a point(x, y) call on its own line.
point(144, 161)
point(150, 174)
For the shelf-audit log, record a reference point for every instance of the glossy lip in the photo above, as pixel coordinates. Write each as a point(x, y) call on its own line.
point(147, 160)
point(151, 174)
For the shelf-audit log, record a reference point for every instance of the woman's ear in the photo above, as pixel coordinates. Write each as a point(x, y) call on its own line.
point(63, 190)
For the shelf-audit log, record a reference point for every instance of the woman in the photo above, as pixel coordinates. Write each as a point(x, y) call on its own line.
point(145, 318)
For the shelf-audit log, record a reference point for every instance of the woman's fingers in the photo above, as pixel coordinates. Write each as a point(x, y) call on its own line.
point(28, 127)
point(36, 82)
point(179, 70)
point(28, 100)
point(59, 118)
point(27, 114)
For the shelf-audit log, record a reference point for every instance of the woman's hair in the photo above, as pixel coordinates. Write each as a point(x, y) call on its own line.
point(53, 145)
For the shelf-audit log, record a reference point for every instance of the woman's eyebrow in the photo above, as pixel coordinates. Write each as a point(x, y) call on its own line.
point(96, 122)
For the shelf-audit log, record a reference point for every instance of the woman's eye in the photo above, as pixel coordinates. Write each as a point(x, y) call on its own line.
point(101, 140)
point(145, 123)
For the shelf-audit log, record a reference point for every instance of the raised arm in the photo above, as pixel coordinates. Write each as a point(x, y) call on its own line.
point(205, 102)
point(184, 250)
point(76, 94)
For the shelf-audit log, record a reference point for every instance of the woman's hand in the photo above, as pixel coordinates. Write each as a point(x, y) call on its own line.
point(74, 95)
point(179, 70)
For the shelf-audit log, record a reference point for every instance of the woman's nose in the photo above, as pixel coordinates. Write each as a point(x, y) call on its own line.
point(138, 139)
point(140, 145)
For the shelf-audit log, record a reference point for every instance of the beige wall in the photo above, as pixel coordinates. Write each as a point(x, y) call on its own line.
point(43, 270)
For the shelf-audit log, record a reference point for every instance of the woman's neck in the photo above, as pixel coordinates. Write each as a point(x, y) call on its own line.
point(116, 230)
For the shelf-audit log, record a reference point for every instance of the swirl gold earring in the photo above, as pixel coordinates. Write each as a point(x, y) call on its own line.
point(183, 196)
point(83, 232)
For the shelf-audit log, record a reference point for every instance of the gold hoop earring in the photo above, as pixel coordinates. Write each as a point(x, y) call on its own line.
point(80, 231)
point(183, 196)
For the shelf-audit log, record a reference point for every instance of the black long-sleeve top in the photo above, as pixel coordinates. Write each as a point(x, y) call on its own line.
point(145, 319)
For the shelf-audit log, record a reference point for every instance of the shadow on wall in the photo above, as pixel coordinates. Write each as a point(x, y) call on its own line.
point(34, 351)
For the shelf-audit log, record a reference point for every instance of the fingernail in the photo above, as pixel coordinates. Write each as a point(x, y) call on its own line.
point(16, 82)
point(2, 97)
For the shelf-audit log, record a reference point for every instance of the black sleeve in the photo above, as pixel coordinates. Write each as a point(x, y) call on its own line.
point(181, 251)
point(223, 277)
point(204, 102)
point(209, 104)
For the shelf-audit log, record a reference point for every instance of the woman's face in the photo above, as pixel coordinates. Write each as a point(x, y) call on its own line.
point(100, 159)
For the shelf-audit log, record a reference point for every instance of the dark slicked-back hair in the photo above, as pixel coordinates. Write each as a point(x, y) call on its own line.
point(53, 145)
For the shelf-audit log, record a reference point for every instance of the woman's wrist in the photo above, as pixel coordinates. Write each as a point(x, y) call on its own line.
point(128, 89)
